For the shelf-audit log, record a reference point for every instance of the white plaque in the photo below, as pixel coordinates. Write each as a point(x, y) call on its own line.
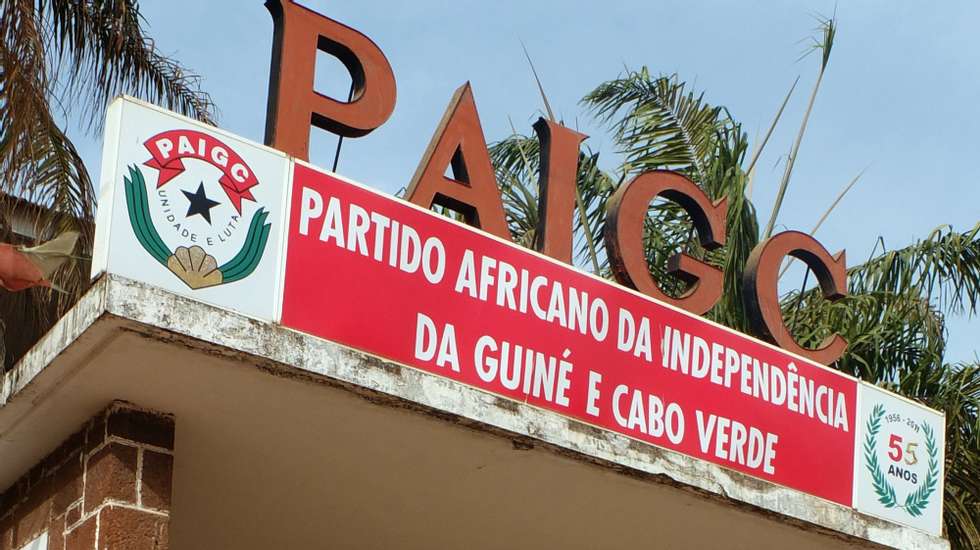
point(191, 209)
point(899, 460)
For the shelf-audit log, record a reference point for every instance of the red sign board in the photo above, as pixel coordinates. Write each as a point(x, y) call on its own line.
point(380, 275)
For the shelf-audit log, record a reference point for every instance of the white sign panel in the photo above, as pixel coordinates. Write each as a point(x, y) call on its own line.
point(191, 209)
point(899, 460)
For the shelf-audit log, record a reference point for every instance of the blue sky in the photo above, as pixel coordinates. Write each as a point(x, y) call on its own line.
point(899, 97)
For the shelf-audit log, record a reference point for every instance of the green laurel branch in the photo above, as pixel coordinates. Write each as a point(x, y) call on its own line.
point(916, 502)
point(884, 490)
point(247, 259)
point(139, 216)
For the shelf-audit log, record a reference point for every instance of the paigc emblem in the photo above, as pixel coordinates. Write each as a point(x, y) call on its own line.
point(198, 207)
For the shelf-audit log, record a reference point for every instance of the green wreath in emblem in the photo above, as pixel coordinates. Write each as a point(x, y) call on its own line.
point(193, 265)
point(916, 501)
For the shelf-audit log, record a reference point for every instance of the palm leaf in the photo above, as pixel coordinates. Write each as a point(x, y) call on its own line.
point(943, 268)
point(106, 52)
point(955, 389)
point(824, 44)
point(657, 123)
point(61, 59)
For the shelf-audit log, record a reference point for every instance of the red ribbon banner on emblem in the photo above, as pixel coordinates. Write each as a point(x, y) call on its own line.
point(169, 149)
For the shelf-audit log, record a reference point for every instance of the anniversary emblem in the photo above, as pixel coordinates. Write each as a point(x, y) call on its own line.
point(201, 226)
point(902, 457)
point(899, 460)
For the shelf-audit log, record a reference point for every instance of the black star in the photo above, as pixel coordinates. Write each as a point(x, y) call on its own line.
point(200, 203)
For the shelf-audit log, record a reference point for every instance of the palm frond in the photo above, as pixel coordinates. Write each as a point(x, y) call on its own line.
point(827, 30)
point(943, 268)
point(38, 162)
point(725, 178)
point(889, 334)
point(657, 123)
point(894, 320)
point(62, 59)
point(595, 188)
point(516, 163)
point(772, 126)
point(955, 389)
point(106, 52)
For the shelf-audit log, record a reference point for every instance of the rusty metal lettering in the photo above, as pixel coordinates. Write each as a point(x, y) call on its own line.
point(293, 103)
point(472, 191)
point(625, 215)
point(557, 180)
point(459, 144)
point(760, 288)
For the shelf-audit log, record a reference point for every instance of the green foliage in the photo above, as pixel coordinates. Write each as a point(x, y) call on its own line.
point(943, 268)
point(139, 216)
point(515, 161)
point(824, 44)
point(884, 490)
point(247, 259)
point(66, 59)
point(894, 314)
point(658, 123)
point(954, 389)
point(917, 500)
